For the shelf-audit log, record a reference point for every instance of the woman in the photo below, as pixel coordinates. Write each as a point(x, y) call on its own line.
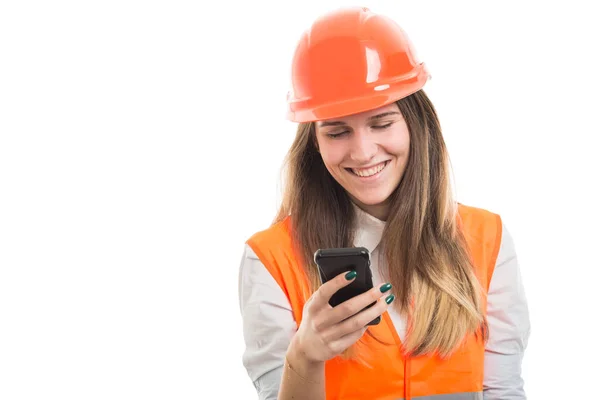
point(369, 167)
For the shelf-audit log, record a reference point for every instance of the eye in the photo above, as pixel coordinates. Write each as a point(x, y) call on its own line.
point(336, 135)
point(383, 126)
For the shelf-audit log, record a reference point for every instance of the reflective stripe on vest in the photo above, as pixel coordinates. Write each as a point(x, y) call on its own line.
point(454, 396)
point(383, 372)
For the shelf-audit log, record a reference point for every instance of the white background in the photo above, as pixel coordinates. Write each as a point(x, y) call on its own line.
point(141, 144)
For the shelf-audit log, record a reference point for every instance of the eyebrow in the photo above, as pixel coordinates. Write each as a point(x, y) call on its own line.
point(372, 118)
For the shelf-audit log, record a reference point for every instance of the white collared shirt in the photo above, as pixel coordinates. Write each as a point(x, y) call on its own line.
point(269, 325)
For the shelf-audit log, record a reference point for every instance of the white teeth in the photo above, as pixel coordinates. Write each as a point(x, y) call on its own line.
point(370, 171)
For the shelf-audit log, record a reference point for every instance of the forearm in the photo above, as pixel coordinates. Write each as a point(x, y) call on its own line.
point(301, 378)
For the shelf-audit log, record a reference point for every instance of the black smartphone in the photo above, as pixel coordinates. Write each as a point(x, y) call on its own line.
point(332, 262)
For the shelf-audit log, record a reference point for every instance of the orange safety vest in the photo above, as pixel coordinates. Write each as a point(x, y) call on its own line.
point(383, 372)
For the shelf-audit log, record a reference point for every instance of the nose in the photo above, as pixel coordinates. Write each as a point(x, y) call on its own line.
point(364, 147)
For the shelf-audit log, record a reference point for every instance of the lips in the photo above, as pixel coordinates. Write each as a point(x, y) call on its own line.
point(370, 171)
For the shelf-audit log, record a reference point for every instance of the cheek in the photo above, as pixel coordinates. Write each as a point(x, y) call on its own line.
point(332, 155)
point(399, 143)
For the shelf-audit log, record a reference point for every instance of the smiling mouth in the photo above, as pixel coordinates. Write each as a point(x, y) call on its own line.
point(368, 172)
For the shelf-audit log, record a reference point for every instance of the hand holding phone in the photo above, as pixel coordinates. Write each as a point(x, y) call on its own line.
point(327, 331)
point(332, 262)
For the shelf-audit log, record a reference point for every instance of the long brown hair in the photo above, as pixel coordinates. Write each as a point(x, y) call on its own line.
point(425, 256)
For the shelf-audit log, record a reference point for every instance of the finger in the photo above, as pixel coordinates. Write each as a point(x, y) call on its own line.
point(339, 345)
point(356, 304)
point(360, 320)
point(329, 288)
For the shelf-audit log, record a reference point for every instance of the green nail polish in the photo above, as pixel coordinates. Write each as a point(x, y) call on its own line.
point(389, 299)
point(351, 275)
point(385, 287)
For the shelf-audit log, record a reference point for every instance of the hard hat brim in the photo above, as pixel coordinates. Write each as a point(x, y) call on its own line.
point(379, 96)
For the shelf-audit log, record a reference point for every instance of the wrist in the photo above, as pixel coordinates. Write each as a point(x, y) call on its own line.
point(298, 360)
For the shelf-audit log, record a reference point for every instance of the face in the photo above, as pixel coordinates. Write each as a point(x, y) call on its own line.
point(366, 153)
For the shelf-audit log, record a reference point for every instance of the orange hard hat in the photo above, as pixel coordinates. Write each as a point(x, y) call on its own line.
point(351, 60)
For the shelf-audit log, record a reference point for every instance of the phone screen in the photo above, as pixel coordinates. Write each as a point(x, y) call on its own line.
point(332, 262)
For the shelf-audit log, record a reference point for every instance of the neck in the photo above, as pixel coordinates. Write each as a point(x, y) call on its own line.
point(379, 211)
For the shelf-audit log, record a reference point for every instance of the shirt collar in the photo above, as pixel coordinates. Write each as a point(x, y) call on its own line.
point(368, 230)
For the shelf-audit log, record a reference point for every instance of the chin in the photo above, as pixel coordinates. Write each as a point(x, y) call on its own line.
point(372, 200)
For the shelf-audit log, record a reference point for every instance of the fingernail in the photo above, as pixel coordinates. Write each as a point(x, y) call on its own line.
point(385, 288)
point(351, 275)
point(389, 299)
